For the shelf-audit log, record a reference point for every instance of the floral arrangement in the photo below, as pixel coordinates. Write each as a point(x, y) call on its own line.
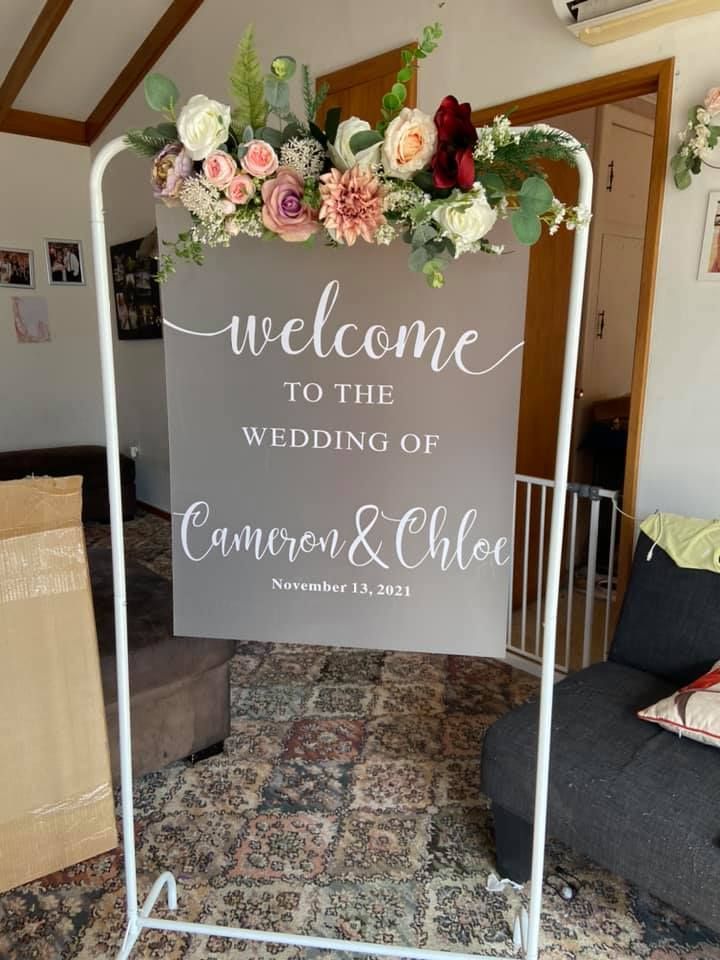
point(256, 168)
point(697, 140)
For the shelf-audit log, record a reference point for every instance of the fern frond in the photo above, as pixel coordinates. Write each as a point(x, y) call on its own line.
point(246, 85)
point(313, 99)
point(147, 142)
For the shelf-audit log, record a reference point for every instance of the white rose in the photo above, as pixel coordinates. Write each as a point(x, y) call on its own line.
point(409, 143)
point(340, 153)
point(466, 219)
point(203, 125)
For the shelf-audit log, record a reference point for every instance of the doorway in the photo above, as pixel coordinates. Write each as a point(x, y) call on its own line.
point(624, 119)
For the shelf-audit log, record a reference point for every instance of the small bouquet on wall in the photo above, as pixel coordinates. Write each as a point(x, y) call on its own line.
point(697, 140)
point(256, 168)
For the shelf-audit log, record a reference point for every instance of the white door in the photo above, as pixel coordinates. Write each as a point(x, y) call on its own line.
point(622, 163)
point(612, 347)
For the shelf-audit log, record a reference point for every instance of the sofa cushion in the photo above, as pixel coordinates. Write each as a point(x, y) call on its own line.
point(156, 656)
point(626, 793)
point(670, 620)
point(693, 712)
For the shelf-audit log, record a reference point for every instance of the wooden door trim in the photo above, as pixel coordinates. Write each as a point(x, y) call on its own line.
point(657, 78)
point(371, 69)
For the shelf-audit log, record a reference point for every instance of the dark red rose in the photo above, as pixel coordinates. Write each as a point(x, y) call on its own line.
point(453, 164)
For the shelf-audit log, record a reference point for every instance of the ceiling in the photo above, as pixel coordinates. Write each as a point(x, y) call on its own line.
point(67, 66)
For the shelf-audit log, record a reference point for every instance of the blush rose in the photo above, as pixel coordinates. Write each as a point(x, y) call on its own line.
point(240, 189)
point(219, 168)
point(409, 143)
point(260, 160)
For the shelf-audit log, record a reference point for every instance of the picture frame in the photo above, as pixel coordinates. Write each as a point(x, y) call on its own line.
point(64, 261)
point(136, 292)
point(709, 266)
point(17, 268)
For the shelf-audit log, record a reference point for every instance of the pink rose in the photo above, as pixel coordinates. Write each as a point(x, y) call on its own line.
point(712, 100)
point(284, 211)
point(219, 168)
point(240, 189)
point(260, 159)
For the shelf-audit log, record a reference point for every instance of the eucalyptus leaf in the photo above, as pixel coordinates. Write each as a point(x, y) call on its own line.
point(678, 163)
point(364, 139)
point(405, 75)
point(418, 258)
point(160, 92)
point(277, 93)
point(241, 151)
point(247, 135)
point(398, 89)
point(494, 184)
point(290, 131)
point(526, 226)
point(270, 135)
point(683, 179)
point(535, 195)
point(390, 102)
point(423, 233)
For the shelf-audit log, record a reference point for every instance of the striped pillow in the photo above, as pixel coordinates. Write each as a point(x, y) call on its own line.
point(694, 711)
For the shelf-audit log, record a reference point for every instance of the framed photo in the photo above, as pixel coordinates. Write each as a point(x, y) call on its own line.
point(137, 292)
point(710, 257)
point(16, 268)
point(64, 263)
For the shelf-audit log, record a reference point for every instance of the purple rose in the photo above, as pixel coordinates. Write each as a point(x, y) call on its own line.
point(171, 168)
point(284, 211)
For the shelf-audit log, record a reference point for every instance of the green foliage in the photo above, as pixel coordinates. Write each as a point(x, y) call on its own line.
point(271, 136)
point(364, 139)
point(246, 85)
point(526, 226)
point(393, 101)
point(535, 196)
point(332, 122)
point(148, 142)
point(161, 94)
point(313, 99)
point(277, 94)
point(187, 248)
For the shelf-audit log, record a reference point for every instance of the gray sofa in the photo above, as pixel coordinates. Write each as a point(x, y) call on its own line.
point(638, 800)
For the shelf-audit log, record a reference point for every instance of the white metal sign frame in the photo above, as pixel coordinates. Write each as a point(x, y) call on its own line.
point(140, 918)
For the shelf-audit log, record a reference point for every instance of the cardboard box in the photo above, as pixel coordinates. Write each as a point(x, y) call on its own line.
point(56, 802)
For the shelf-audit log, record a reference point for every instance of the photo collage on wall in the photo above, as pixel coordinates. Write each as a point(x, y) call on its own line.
point(136, 292)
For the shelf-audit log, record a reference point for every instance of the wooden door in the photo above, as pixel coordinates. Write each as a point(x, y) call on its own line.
point(541, 383)
point(358, 89)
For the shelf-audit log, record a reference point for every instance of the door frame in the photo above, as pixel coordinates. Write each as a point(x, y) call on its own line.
point(657, 78)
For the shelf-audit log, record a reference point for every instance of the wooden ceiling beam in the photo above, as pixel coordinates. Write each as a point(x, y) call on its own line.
point(28, 124)
point(145, 57)
point(45, 25)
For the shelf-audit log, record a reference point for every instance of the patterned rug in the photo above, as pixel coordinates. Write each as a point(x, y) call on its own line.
point(346, 804)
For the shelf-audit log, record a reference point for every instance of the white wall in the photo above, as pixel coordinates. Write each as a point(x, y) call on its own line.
point(50, 391)
point(489, 56)
point(140, 364)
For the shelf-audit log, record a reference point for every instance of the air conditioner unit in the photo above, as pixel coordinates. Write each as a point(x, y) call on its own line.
point(602, 21)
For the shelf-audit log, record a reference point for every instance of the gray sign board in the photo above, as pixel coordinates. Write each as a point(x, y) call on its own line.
point(342, 445)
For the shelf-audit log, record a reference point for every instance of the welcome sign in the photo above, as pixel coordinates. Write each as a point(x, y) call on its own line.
point(342, 446)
